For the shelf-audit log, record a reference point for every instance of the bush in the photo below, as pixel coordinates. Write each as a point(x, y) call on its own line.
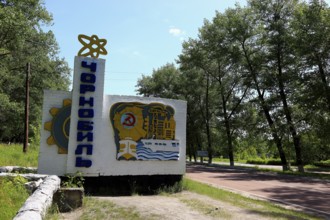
point(260, 161)
point(73, 180)
point(274, 162)
point(256, 161)
point(325, 164)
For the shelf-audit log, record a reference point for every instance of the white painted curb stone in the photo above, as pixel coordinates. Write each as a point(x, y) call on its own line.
point(36, 205)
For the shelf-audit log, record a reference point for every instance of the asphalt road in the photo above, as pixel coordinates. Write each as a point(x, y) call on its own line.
point(305, 193)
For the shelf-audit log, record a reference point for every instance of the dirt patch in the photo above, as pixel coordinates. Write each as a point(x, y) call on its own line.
point(75, 215)
point(185, 205)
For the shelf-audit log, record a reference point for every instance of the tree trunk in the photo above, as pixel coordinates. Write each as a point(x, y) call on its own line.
point(230, 143)
point(278, 141)
point(228, 132)
point(293, 131)
point(199, 147)
point(207, 124)
point(326, 90)
point(287, 113)
point(191, 151)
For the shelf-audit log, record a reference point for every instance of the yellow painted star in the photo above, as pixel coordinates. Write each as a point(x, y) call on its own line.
point(92, 46)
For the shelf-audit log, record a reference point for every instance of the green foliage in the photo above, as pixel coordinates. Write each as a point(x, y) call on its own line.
point(265, 161)
point(12, 155)
point(164, 82)
point(22, 40)
point(12, 196)
point(325, 164)
point(256, 80)
point(73, 180)
point(34, 135)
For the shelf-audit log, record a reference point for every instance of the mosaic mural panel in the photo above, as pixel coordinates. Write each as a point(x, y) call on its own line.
point(144, 131)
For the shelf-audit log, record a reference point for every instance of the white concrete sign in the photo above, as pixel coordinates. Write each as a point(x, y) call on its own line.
point(109, 135)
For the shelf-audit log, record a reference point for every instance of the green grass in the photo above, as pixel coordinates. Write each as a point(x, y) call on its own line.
point(269, 161)
point(207, 209)
point(218, 159)
point(317, 166)
point(12, 196)
point(12, 155)
point(12, 191)
point(324, 168)
point(165, 190)
point(97, 209)
point(262, 208)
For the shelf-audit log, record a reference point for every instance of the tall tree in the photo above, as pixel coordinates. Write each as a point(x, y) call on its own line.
point(192, 82)
point(244, 31)
point(270, 57)
point(164, 83)
point(168, 82)
point(22, 40)
point(311, 31)
point(275, 16)
point(193, 59)
point(233, 86)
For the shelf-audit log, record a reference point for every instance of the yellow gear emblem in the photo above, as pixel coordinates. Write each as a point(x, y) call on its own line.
point(59, 126)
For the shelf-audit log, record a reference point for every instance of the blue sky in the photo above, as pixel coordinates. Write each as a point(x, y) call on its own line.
point(142, 35)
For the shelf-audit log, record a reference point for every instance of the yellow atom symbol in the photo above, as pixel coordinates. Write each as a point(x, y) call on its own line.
point(92, 46)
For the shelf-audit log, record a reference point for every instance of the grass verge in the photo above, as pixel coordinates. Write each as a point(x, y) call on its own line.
point(12, 155)
point(12, 196)
point(217, 159)
point(295, 173)
point(207, 209)
point(263, 208)
point(98, 210)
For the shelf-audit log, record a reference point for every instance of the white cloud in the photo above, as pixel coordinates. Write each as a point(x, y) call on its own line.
point(176, 32)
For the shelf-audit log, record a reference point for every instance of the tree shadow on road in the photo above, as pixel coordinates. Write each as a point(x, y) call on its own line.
point(275, 215)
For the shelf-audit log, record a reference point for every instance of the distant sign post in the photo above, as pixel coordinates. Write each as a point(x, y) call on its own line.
point(201, 154)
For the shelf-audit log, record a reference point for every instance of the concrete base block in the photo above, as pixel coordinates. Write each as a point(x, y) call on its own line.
point(68, 199)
